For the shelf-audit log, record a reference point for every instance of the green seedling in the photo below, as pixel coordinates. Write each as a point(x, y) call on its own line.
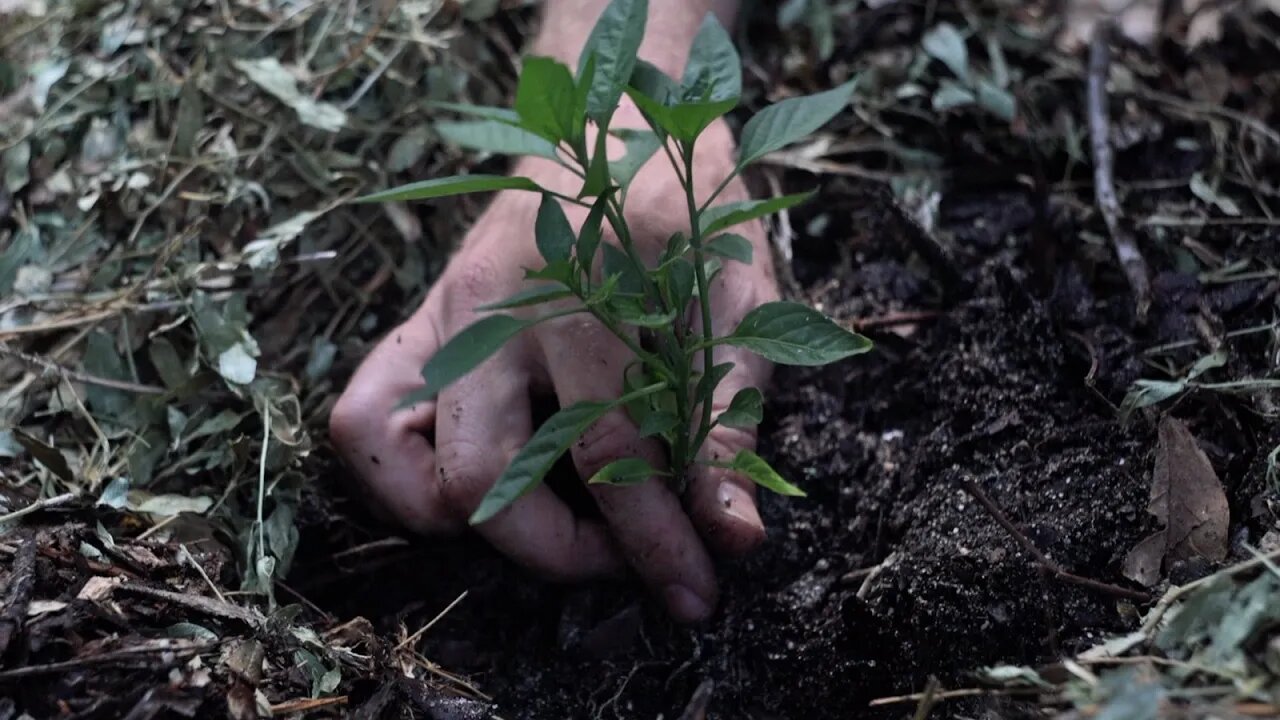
point(668, 387)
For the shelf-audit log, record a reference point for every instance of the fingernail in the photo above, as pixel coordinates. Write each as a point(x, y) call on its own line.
point(737, 504)
point(684, 604)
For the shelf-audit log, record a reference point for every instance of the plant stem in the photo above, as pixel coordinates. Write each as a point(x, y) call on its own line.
point(719, 189)
point(700, 274)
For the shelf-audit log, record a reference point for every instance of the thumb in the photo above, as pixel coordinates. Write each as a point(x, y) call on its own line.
point(721, 501)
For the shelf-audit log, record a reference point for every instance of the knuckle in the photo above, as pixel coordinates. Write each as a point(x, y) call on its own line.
point(466, 472)
point(346, 420)
point(476, 277)
point(607, 439)
point(725, 442)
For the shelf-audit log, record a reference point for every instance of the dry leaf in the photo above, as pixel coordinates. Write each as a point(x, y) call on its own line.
point(1187, 498)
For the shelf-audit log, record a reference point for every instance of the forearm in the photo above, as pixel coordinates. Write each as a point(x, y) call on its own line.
point(671, 27)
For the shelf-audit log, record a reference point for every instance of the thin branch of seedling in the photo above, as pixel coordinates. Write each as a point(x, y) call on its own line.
point(669, 386)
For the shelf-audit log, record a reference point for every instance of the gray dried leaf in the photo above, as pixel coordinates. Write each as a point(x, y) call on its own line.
point(1187, 498)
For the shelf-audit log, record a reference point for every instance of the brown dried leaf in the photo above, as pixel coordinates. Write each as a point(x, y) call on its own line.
point(1187, 498)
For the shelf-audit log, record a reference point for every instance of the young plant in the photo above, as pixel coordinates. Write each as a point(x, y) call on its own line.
point(664, 392)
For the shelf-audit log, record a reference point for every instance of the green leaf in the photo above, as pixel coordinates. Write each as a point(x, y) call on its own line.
point(731, 246)
point(596, 181)
point(535, 295)
point(631, 311)
point(658, 422)
point(545, 98)
point(452, 185)
point(617, 264)
point(789, 333)
point(589, 235)
point(537, 456)
point(945, 43)
point(561, 271)
point(494, 136)
point(500, 114)
point(627, 471)
point(552, 232)
point(762, 474)
point(654, 84)
point(614, 42)
point(746, 410)
point(713, 71)
point(688, 120)
point(680, 281)
point(996, 100)
point(707, 383)
point(951, 95)
point(640, 146)
point(468, 349)
point(790, 120)
point(717, 218)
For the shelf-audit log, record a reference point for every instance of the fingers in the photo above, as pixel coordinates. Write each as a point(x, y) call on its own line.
point(586, 363)
point(386, 447)
point(722, 502)
point(484, 420)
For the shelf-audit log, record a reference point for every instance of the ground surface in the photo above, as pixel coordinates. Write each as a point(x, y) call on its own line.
point(966, 243)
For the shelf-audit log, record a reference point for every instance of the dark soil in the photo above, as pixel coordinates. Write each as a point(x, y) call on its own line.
point(993, 389)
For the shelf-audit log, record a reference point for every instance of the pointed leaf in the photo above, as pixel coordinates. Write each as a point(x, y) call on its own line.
point(719, 217)
point(545, 99)
point(641, 145)
point(552, 231)
point(596, 181)
point(714, 71)
point(627, 471)
point(531, 463)
point(681, 281)
point(762, 474)
point(789, 333)
point(631, 311)
point(494, 136)
point(707, 383)
point(945, 43)
point(469, 348)
point(589, 235)
point(530, 296)
point(617, 264)
point(613, 43)
point(731, 246)
point(790, 120)
point(658, 422)
point(746, 410)
point(453, 185)
point(500, 114)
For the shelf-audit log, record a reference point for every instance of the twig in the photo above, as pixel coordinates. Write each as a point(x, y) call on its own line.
point(952, 694)
point(893, 319)
point(1104, 188)
point(930, 697)
point(44, 504)
point(414, 637)
point(170, 652)
point(307, 704)
point(697, 707)
point(1053, 568)
point(22, 581)
point(69, 374)
point(199, 603)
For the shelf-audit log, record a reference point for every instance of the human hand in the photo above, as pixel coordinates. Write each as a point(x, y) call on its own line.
point(480, 421)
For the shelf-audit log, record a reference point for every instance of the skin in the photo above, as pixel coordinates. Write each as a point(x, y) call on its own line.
point(481, 421)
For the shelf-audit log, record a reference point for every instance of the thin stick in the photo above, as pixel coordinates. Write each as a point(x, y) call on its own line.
point(1045, 561)
point(414, 637)
point(960, 693)
point(1131, 259)
point(45, 504)
point(69, 374)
